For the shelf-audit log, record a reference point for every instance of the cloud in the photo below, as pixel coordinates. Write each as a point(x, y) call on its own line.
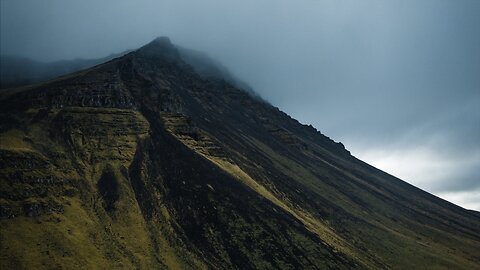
point(427, 168)
point(431, 162)
point(467, 199)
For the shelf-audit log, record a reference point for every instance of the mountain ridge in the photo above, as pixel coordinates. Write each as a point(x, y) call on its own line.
point(16, 71)
point(143, 149)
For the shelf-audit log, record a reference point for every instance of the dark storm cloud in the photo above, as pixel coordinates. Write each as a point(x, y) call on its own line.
point(396, 78)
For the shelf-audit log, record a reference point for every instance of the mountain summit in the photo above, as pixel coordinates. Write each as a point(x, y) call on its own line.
point(160, 47)
point(144, 162)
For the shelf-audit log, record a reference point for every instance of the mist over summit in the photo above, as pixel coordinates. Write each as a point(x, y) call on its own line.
point(16, 71)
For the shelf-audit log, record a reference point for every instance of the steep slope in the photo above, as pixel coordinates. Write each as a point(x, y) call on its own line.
point(141, 162)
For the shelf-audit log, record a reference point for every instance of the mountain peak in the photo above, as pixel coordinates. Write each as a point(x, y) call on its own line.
point(163, 40)
point(160, 47)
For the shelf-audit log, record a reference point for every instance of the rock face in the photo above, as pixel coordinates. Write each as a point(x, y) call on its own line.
point(142, 163)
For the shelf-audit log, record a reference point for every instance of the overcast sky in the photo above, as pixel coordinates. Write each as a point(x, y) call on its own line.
point(398, 82)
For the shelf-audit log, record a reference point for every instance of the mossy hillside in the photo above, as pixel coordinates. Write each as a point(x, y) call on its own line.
point(210, 204)
point(56, 198)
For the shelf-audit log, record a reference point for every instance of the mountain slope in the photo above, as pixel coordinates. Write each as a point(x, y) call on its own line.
point(141, 162)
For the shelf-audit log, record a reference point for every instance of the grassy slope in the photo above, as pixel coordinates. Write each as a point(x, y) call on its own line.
point(82, 234)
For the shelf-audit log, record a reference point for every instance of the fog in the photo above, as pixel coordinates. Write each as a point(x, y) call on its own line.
point(398, 82)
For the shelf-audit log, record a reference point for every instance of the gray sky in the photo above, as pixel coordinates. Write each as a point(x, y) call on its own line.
point(398, 82)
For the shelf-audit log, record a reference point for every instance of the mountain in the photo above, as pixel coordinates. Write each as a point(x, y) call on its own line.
point(143, 162)
point(18, 71)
